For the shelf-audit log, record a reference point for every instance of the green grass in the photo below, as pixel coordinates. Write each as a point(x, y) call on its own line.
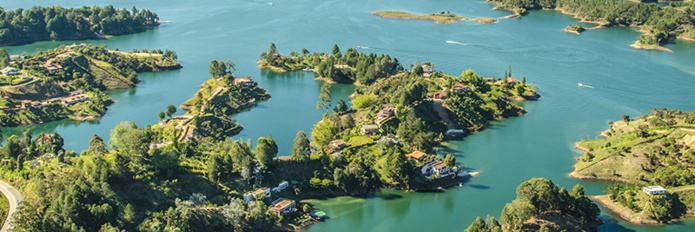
point(4, 208)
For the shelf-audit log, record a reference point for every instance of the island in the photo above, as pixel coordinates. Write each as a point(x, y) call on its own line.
point(660, 25)
point(652, 156)
point(68, 82)
point(574, 29)
point(440, 18)
point(540, 205)
point(57, 23)
point(150, 179)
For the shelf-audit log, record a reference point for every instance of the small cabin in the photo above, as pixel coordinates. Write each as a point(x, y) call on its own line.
point(370, 129)
point(655, 190)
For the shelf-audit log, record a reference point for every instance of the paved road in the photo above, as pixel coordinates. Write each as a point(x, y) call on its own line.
point(14, 198)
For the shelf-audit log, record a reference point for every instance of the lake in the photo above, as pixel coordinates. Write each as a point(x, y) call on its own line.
point(538, 144)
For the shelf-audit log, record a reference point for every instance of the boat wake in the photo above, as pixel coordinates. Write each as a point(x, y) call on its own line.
point(584, 85)
point(454, 42)
point(363, 47)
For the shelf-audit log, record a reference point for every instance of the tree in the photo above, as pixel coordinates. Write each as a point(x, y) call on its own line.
point(171, 109)
point(234, 211)
point(477, 226)
point(305, 52)
point(300, 149)
point(4, 58)
point(323, 133)
point(450, 161)
point(336, 51)
point(161, 115)
point(1, 138)
point(341, 106)
point(97, 145)
point(324, 102)
point(272, 49)
point(264, 152)
point(221, 68)
point(626, 119)
point(349, 121)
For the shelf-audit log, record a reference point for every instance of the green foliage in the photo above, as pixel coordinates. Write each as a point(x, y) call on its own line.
point(58, 23)
point(324, 102)
point(450, 161)
point(323, 133)
point(301, 150)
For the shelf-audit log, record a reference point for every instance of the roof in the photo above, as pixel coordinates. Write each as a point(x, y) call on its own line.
point(242, 80)
point(370, 127)
point(259, 191)
point(416, 155)
point(439, 165)
point(512, 80)
point(653, 188)
point(440, 94)
point(282, 204)
point(338, 142)
point(284, 158)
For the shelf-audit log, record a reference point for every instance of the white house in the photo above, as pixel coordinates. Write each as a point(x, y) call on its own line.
point(8, 71)
point(655, 190)
point(250, 196)
point(282, 186)
point(283, 206)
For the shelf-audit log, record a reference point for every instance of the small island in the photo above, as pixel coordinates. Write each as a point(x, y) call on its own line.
point(540, 205)
point(660, 25)
point(57, 23)
point(440, 18)
point(574, 29)
point(68, 81)
point(653, 151)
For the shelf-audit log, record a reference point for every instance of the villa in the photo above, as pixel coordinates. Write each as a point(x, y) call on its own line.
point(336, 145)
point(246, 81)
point(370, 129)
point(512, 81)
point(253, 195)
point(416, 156)
point(9, 71)
point(283, 206)
point(460, 88)
point(655, 190)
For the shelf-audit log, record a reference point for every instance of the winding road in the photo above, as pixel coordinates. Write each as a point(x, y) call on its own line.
point(14, 198)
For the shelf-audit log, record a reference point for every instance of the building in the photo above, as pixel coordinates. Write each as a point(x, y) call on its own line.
point(441, 95)
point(439, 169)
point(246, 81)
point(251, 196)
point(282, 186)
point(52, 67)
point(74, 99)
point(512, 81)
point(16, 58)
point(386, 112)
point(283, 206)
point(655, 190)
point(336, 145)
point(427, 69)
point(416, 156)
point(460, 88)
point(370, 129)
point(9, 71)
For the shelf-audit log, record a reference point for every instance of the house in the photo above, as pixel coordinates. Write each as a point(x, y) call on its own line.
point(251, 196)
point(336, 145)
point(427, 69)
point(416, 156)
point(74, 99)
point(282, 186)
point(386, 111)
point(16, 57)
point(283, 206)
point(460, 88)
point(441, 95)
point(370, 129)
point(439, 169)
point(655, 190)
point(75, 93)
point(9, 71)
point(52, 67)
point(512, 81)
point(246, 81)
point(284, 158)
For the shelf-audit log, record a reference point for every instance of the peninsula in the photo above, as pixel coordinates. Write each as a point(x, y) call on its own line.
point(540, 205)
point(653, 150)
point(440, 18)
point(57, 23)
point(68, 81)
point(660, 25)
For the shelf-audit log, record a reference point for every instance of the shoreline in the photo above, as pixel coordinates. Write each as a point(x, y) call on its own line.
point(622, 212)
point(639, 46)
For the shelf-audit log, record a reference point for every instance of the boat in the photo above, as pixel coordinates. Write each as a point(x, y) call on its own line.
point(358, 46)
point(320, 215)
point(307, 70)
point(580, 84)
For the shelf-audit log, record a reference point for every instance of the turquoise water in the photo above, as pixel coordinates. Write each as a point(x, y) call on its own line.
point(539, 144)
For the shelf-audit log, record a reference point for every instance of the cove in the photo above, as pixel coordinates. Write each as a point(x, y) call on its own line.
point(538, 144)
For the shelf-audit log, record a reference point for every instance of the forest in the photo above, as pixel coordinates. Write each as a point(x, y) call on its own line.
point(663, 24)
point(57, 23)
point(540, 205)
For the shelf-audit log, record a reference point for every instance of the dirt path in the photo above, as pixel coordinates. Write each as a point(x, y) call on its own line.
point(440, 108)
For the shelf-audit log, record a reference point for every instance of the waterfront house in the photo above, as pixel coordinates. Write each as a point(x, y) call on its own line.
point(246, 81)
point(253, 195)
point(512, 81)
point(460, 88)
point(336, 145)
point(439, 169)
point(16, 57)
point(427, 69)
point(9, 71)
point(416, 156)
point(283, 206)
point(285, 158)
point(370, 129)
point(655, 190)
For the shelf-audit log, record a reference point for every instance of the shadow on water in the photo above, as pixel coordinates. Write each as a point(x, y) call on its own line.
point(389, 196)
point(479, 186)
point(611, 224)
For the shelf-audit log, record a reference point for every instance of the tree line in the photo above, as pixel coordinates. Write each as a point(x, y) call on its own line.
point(57, 23)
